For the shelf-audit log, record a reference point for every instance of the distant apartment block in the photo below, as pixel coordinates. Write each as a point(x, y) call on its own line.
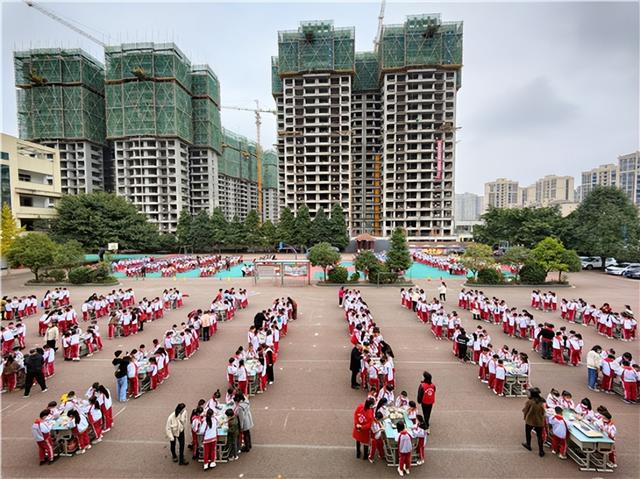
point(603, 175)
point(502, 193)
point(468, 207)
point(629, 180)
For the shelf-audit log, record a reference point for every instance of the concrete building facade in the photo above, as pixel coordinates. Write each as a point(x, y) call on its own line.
point(551, 190)
point(502, 193)
point(31, 179)
point(468, 207)
point(373, 131)
point(603, 175)
point(629, 180)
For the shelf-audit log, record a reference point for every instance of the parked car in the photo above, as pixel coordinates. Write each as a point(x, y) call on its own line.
point(617, 269)
point(591, 262)
point(632, 271)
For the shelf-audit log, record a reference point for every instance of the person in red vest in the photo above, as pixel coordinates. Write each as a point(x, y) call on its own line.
point(426, 397)
point(362, 420)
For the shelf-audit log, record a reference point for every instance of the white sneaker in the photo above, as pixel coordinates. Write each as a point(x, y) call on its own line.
point(205, 467)
point(407, 471)
point(400, 472)
point(212, 464)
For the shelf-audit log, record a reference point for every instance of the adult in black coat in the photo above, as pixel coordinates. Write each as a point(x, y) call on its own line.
point(259, 319)
point(354, 365)
point(33, 363)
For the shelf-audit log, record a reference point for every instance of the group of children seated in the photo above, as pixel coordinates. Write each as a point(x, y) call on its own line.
point(622, 325)
point(87, 418)
point(558, 430)
point(169, 267)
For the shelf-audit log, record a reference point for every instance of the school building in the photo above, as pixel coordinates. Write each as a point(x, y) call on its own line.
point(373, 131)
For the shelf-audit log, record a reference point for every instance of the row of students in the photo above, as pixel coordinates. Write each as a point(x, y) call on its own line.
point(608, 323)
point(176, 264)
point(557, 345)
point(445, 263)
point(56, 298)
point(19, 307)
point(13, 334)
point(609, 367)
point(71, 341)
point(544, 300)
point(64, 318)
point(97, 306)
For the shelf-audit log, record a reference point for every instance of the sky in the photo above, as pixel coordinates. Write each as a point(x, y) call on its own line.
point(547, 88)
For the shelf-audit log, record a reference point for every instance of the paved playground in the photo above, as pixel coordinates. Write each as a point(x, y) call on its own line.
point(303, 424)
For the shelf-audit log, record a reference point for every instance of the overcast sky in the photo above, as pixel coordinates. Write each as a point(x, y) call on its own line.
point(546, 88)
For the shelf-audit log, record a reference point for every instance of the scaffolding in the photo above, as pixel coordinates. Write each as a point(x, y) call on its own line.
point(367, 73)
point(60, 96)
point(148, 91)
point(238, 158)
point(207, 130)
point(316, 46)
point(423, 40)
point(269, 170)
point(276, 81)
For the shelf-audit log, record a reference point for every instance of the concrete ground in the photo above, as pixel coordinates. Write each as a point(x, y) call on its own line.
point(303, 423)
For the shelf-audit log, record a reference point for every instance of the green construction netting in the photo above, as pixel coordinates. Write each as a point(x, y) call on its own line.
point(238, 157)
point(366, 77)
point(147, 61)
point(276, 81)
point(316, 46)
point(205, 83)
point(421, 40)
point(149, 108)
point(61, 112)
point(269, 169)
point(205, 89)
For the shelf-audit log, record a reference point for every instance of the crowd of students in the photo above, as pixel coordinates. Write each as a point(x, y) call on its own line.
point(444, 263)
point(620, 325)
point(372, 361)
point(607, 366)
point(93, 415)
point(169, 267)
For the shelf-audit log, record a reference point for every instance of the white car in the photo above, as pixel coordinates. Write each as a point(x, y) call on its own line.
point(591, 262)
point(617, 269)
point(630, 267)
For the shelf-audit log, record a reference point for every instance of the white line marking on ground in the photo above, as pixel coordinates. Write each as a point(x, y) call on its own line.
point(120, 411)
point(5, 408)
point(286, 419)
point(21, 408)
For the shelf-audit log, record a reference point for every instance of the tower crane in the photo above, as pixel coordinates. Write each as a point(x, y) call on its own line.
point(376, 42)
point(64, 22)
point(258, 115)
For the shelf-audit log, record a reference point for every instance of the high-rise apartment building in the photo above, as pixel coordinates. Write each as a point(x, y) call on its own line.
point(468, 207)
point(61, 105)
point(502, 193)
point(374, 132)
point(603, 175)
point(551, 190)
point(629, 180)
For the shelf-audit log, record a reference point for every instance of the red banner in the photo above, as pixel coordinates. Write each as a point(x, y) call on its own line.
point(439, 159)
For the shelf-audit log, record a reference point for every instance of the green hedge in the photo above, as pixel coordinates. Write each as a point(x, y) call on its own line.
point(338, 274)
point(532, 273)
point(80, 275)
point(490, 276)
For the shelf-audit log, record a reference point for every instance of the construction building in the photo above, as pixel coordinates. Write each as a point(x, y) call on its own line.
point(502, 193)
point(629, 170)
point(270, 206)
point(31, 179)
point(374, 131)
point(603, 175)
point(146, 127)
point(61, 105)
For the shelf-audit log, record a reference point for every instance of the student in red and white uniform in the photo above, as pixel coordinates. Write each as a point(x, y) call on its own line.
point(559, 431)
point(8, 339)
point(209, 431)
point(231, 371)
point(80, 430)
point(74, 345)
point(168, 345)
point(95, 418)
point(106, 406)
point(133, 389)
point(404, 449)
point(575, 349)
point(420, 431)
point(42, 434)
point(607, 426)
point(607, 368)
point(629, 378)
point(243, 380)
point(501, 376)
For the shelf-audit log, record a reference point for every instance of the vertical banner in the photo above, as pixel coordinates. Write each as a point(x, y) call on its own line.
point(439, 160)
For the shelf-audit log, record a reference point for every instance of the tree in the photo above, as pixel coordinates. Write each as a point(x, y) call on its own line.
point(9, 229)
point(183, 229)
point(477, 256)
point(99, 218)
point(518, 226)
point(201, 233)
point(398, 257)
point(303, 227)
point(286, 226)
point(323, 255)
point(33, 250)
point(516, 256)
point(551, 254)
point(339, 233)
point(606, 224)
point(167, 242)
point(219, 227)
point(366, 261)
point(252, 228)
point(236, 233)
point(68, 255)
point(320, 229)
point(269, 234)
